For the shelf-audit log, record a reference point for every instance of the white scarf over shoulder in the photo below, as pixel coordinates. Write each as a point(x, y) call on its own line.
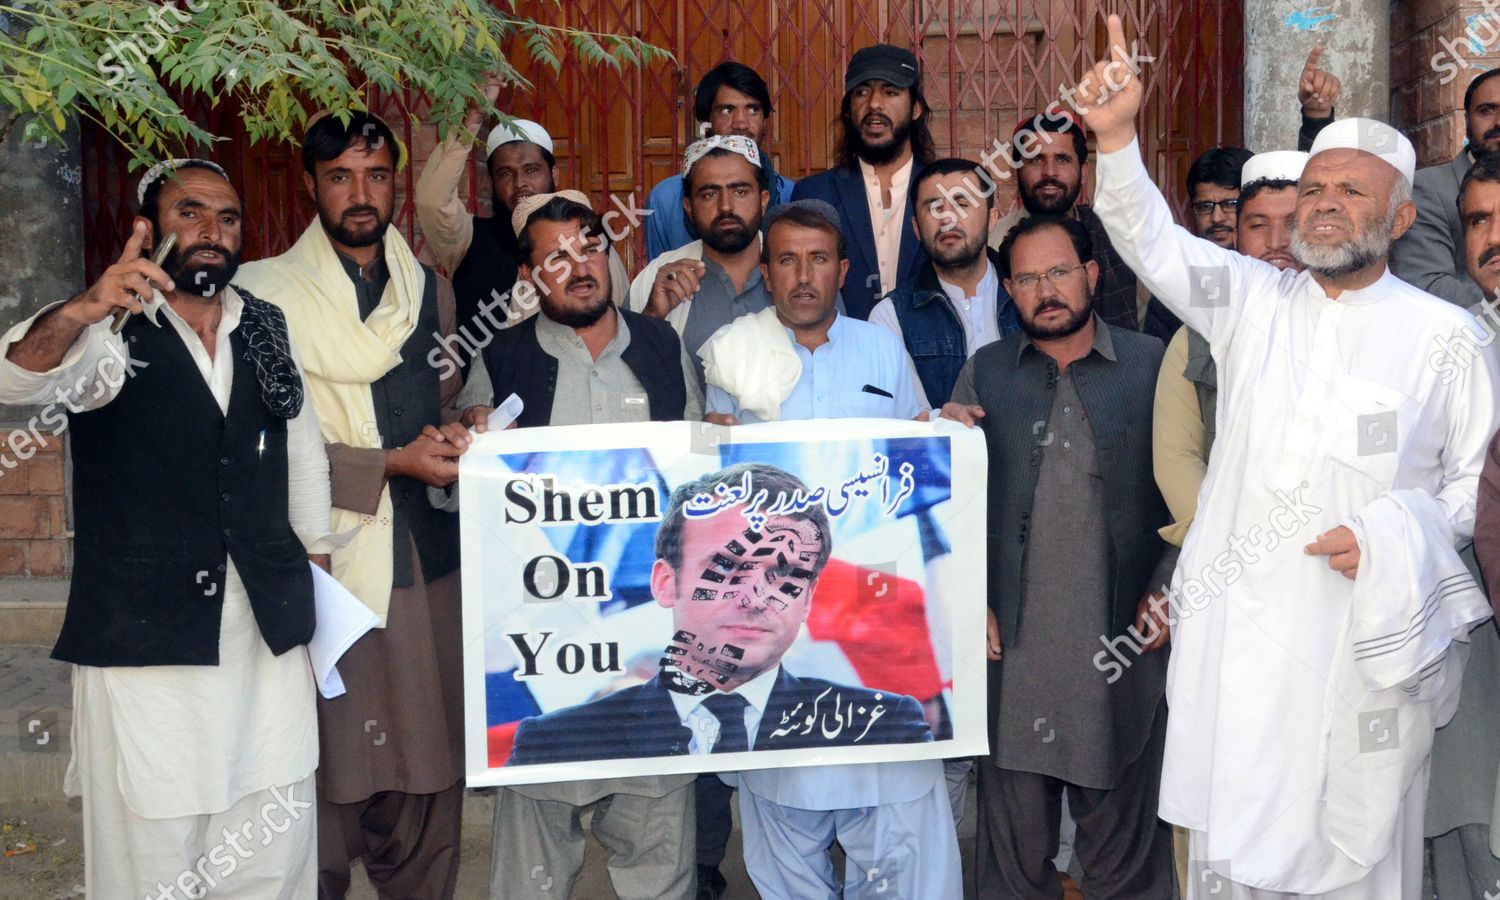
point(753, 360)
point(342, 356)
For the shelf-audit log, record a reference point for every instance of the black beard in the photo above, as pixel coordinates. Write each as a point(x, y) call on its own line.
point(878, 156)
point(571, 317)
point(1071, 326)
point(348, 238)
point(206, 279)
point(1478, 147)
point(1061, 205)
point(963, 255)
point(503, 211)
point(730, 242)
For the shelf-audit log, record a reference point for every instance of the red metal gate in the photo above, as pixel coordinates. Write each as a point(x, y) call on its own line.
point(985, 64)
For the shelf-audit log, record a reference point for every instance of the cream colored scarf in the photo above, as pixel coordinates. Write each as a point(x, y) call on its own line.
point(342, 356)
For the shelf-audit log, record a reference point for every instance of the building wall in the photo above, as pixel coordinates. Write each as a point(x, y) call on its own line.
point(41, 260)
point(1279, 34)
point(1433, 58)
point(983, 67)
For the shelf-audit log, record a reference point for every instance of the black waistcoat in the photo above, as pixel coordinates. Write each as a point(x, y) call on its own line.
point(166, 489)
point(488, 270)
point(518, 365)
point(407, 398)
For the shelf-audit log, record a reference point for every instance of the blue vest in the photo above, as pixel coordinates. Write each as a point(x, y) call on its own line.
point(934, 334)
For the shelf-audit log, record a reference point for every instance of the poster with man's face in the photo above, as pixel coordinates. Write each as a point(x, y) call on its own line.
point(680, 597)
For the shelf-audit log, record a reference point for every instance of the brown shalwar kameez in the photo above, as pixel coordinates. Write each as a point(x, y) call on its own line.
point(390, 772)
point(391, 767)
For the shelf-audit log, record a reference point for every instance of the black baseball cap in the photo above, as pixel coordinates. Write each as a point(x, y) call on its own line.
point(893, 65)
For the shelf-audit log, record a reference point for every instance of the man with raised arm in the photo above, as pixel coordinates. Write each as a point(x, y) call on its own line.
point(200, 493)
point(1320, 613)
point(480, 253)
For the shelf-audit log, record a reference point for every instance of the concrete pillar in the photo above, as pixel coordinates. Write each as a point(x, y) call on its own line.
point(41, 224)
point(41, 260)
point(1278, 36)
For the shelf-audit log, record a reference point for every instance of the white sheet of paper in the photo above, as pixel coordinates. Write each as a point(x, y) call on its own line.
point(342, 620)
point(506, 413)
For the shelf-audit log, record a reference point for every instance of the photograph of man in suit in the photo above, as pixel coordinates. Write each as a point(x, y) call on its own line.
point(739, 596)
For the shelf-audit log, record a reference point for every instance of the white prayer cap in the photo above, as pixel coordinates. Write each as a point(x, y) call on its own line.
point(517, 130)
point(734, 143)
point(1371, 136)
point(167, 167)
point(1275, 165)
point(528, 205)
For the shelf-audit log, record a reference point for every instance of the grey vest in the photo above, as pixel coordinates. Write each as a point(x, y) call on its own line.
point(1014, 385)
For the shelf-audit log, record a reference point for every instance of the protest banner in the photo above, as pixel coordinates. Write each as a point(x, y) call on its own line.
point(616, 577)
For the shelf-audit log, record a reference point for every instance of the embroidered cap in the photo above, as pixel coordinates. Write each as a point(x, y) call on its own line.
point(734, 143)
point(1274, 165)
point(528, 205)
point(167, 167)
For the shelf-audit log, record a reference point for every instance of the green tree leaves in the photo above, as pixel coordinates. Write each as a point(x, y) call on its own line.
point(113, 61)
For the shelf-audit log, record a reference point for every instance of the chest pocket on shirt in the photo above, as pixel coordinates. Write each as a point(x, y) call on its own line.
point(1370, 428)
point(924, 346)
point(863, 404)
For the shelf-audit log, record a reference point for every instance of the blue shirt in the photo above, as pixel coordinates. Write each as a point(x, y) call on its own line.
point(861, 372)
point(832, 386)
point(666, 227)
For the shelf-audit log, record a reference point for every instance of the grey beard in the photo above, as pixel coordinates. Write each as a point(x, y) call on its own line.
point(1335, 262)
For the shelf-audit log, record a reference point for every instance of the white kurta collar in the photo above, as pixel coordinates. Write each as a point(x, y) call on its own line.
point(1371, 293)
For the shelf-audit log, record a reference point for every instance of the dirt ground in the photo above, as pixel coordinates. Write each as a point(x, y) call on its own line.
point(43, 852)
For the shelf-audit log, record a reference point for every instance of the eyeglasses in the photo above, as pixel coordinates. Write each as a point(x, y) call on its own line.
point(1204, 207)
point(1032, 280)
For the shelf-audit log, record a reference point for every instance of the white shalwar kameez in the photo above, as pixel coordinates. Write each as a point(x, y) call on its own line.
point(197, 781)
point(1324, 406)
